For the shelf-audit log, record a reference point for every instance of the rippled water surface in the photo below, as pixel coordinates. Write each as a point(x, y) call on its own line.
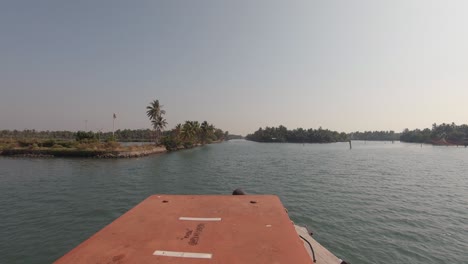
point(377, 203)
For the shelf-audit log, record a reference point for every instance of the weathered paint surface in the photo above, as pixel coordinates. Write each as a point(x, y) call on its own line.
point(248, 229)
point(322, 255)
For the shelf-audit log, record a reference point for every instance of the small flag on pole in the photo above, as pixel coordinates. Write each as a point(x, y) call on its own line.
point(115, 116)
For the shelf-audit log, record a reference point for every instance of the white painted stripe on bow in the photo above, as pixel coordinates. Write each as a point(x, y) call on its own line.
point(178, 254)
point(200, 218)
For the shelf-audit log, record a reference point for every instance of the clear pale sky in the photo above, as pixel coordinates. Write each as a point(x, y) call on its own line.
point(343, 65)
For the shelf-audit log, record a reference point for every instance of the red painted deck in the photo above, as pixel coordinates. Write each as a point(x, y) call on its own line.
point(251, 229)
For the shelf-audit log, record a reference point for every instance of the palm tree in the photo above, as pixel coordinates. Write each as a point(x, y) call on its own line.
point(177, 131)
point(155, 114)
point(196, 130)
point(154, 110)
point(159, 124)
point(188, 131)
point(211, 130)
point(206, 132)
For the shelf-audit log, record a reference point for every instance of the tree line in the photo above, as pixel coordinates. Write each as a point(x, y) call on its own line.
point(443, 134)
point(299, 135)
point(375, 135)
point(438, 134)
point(124, 135)
point(89, 143)
point(192, 133)
point(230, 136)
point(186, 135)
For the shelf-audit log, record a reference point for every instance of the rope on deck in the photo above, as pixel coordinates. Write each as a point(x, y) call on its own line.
point(311, 248)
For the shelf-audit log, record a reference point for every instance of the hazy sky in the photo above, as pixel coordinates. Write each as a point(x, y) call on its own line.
point(343, 65)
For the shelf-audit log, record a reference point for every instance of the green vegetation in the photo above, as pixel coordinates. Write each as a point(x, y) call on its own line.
point(85, 147)
point(191, 134)
point(230, 136)
point(444, 134)
point(32, 133)
point(300, 135)
point(155, 114)
point(132, 135)
point(375, 135)
point(82, 136)
point(91, 144)
point(125, 135)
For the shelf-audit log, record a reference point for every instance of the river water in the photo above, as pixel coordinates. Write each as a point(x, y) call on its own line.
point(377, 203)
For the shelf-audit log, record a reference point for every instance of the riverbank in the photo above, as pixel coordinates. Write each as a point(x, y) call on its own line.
point(81, 153)
point(73, 149)
point(441, 142)
point(36, 148)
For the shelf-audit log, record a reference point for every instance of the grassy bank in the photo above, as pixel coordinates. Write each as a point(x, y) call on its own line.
point(63, 148)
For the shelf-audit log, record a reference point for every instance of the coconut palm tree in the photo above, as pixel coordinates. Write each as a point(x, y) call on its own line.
point(188, 131)
point(158, 124)
point(177, 131)
point(211, 130)
point(154, 110)
point(155, 113)
point(204, 132)
point(196, 130)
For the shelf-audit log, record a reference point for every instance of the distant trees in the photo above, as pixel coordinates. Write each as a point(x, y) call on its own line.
point(125, 135)
point(85, 136)
point(375, 135)
point(300, 135)
point(450, 134)
point(192, 133)
point(206, 132)
point(155, 114)
point(132, 135)
point(416, 136)
point(31, 133)
point(189, 132)
point(229, 137)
